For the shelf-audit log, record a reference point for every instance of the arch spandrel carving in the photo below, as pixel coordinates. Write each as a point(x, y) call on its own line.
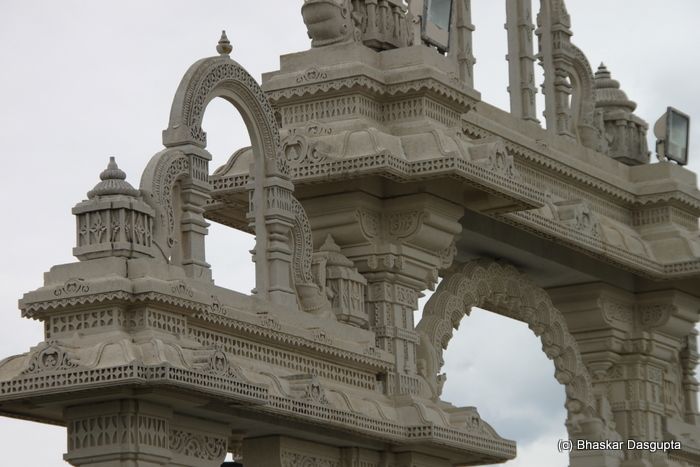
point(502, 289)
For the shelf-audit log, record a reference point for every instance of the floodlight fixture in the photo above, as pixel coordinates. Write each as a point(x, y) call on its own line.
point(672, 133)
point(435, 27)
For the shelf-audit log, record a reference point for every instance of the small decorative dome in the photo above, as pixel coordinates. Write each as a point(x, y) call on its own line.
point(608, 92)
point(113, 183)
point(334, 255)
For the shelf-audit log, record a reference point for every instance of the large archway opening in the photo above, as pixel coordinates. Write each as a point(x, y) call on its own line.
point(500, 287)
point(496, 364)
point(228, 249)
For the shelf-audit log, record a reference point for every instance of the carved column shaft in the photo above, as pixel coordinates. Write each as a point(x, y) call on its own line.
point(461, 41)
point(194, 231)
point(521, 59)
point(278, 219)
point(391, 306)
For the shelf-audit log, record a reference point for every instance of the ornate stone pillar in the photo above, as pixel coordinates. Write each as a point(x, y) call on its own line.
point(274, 271)
point(398, 245)
point(194, 193)
point(637, 348)
point(461, 41)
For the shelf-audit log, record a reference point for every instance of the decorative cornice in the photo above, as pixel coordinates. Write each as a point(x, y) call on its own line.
point(372, 87)
point(603, 187)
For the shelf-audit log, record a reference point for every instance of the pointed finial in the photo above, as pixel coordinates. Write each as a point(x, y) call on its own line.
point(224, 46)
point(112, 172)
point(603, 72)
point(113, 182)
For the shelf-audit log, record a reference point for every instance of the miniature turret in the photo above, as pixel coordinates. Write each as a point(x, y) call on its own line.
point(114, 220)
point(626, 133)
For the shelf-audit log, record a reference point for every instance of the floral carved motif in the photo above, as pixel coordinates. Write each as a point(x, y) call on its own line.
point(216, 362)
point(72, 287)
point(52, 357)
point(654, 315)
point(198, 446)
point(182, 289)
point(293, 459)
point(403, 224)
point(307, 388)
point(312, 74)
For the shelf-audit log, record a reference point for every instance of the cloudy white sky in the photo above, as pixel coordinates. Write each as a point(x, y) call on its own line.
point(83, 80)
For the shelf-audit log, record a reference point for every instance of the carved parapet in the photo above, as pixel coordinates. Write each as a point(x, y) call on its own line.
point(114, 220)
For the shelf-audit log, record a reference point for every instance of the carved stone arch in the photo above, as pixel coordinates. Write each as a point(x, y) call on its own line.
point(285, 275)
point(502, 289)
point(569, 61)
point(223, 77)
point(583, 100)
point(158, 183)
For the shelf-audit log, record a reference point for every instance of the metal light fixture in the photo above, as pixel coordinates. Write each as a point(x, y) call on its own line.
point(435, 27)
point(672, 133)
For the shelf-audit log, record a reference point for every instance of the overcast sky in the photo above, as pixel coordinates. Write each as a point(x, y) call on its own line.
point(83, 80)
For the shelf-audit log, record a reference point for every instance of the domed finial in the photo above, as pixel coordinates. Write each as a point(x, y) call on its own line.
point(602, 72)
point(113, 182)
point(112, 172)
point(224, 46)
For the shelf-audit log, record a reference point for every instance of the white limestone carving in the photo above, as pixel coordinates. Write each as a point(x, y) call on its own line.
point(374, 170)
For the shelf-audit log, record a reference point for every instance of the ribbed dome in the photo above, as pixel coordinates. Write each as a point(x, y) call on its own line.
point(335, 257)
point(113, 182)
point(608, 92)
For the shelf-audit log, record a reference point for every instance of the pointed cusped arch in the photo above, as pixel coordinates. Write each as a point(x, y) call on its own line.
point(502, 289)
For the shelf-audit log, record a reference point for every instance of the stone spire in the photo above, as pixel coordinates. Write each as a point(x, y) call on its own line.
point(114, 220)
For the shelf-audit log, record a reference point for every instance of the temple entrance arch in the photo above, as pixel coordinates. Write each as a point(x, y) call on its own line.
point(502, 289)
